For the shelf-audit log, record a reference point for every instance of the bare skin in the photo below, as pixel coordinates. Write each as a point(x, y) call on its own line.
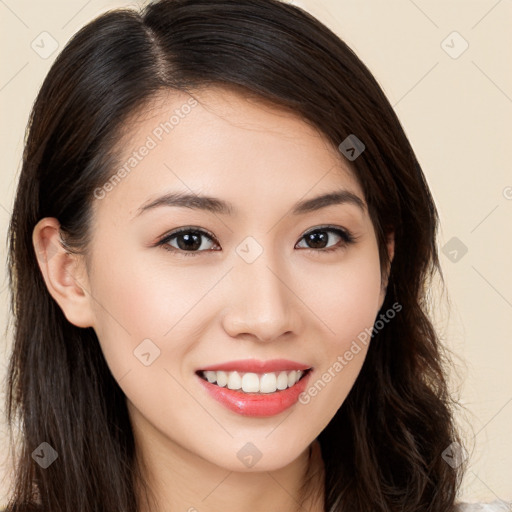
point(294, 301)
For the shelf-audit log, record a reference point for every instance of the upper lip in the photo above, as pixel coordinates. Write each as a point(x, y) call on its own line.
point(257, 366)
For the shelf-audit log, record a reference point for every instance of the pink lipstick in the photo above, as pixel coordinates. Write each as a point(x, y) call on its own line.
point(255, 388)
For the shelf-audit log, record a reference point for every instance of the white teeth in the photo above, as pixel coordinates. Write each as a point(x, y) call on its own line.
point(292, 378)
point(222, 379)
point(234, 380)
point(254, 382)
point(282, 380)
point(268, 383)
point(210, 376)
point(250, 383)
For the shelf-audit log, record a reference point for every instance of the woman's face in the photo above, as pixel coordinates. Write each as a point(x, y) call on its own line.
point(249, 283)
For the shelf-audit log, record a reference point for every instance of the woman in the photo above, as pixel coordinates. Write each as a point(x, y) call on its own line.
point(220, 250)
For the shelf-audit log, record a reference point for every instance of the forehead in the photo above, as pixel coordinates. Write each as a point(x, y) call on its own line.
point(225, 144)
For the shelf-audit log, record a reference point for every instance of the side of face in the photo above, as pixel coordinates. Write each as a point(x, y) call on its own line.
point(258, 288)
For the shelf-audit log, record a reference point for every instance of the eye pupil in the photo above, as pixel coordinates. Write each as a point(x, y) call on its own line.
point(192, 241)
point(318, 236)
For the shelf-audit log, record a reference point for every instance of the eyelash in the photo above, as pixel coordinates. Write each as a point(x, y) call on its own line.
point(347, 238)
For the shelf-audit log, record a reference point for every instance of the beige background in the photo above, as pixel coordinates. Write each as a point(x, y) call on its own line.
point(457, 113)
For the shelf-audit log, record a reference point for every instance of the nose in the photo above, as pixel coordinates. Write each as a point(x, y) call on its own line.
point(262, 303)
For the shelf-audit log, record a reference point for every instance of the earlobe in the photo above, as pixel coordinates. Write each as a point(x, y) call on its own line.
point(62, 272)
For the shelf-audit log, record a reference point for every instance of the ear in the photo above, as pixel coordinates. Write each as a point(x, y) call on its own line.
point(390, 246)
point(63, 272)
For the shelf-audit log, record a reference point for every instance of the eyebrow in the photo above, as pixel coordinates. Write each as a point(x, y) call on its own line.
point(216, 205)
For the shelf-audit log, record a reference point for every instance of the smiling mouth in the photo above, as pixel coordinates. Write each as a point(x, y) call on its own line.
point(253, 383)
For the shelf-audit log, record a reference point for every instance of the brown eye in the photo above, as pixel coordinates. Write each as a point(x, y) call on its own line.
point(319, 238)
point(187, 241)
point(190, 241)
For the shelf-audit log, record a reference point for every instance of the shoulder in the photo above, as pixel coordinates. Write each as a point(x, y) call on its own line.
point(495, 506)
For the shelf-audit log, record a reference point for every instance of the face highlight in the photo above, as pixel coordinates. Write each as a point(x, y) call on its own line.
point(210, 250)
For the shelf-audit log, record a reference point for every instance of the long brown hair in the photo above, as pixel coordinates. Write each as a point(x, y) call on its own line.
point(383, 448)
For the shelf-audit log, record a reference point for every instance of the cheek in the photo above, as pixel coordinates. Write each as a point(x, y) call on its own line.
point(135, 302)
point(349, 304)
point(345, 297)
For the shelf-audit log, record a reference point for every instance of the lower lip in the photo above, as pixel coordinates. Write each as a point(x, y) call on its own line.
point(257, 404)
